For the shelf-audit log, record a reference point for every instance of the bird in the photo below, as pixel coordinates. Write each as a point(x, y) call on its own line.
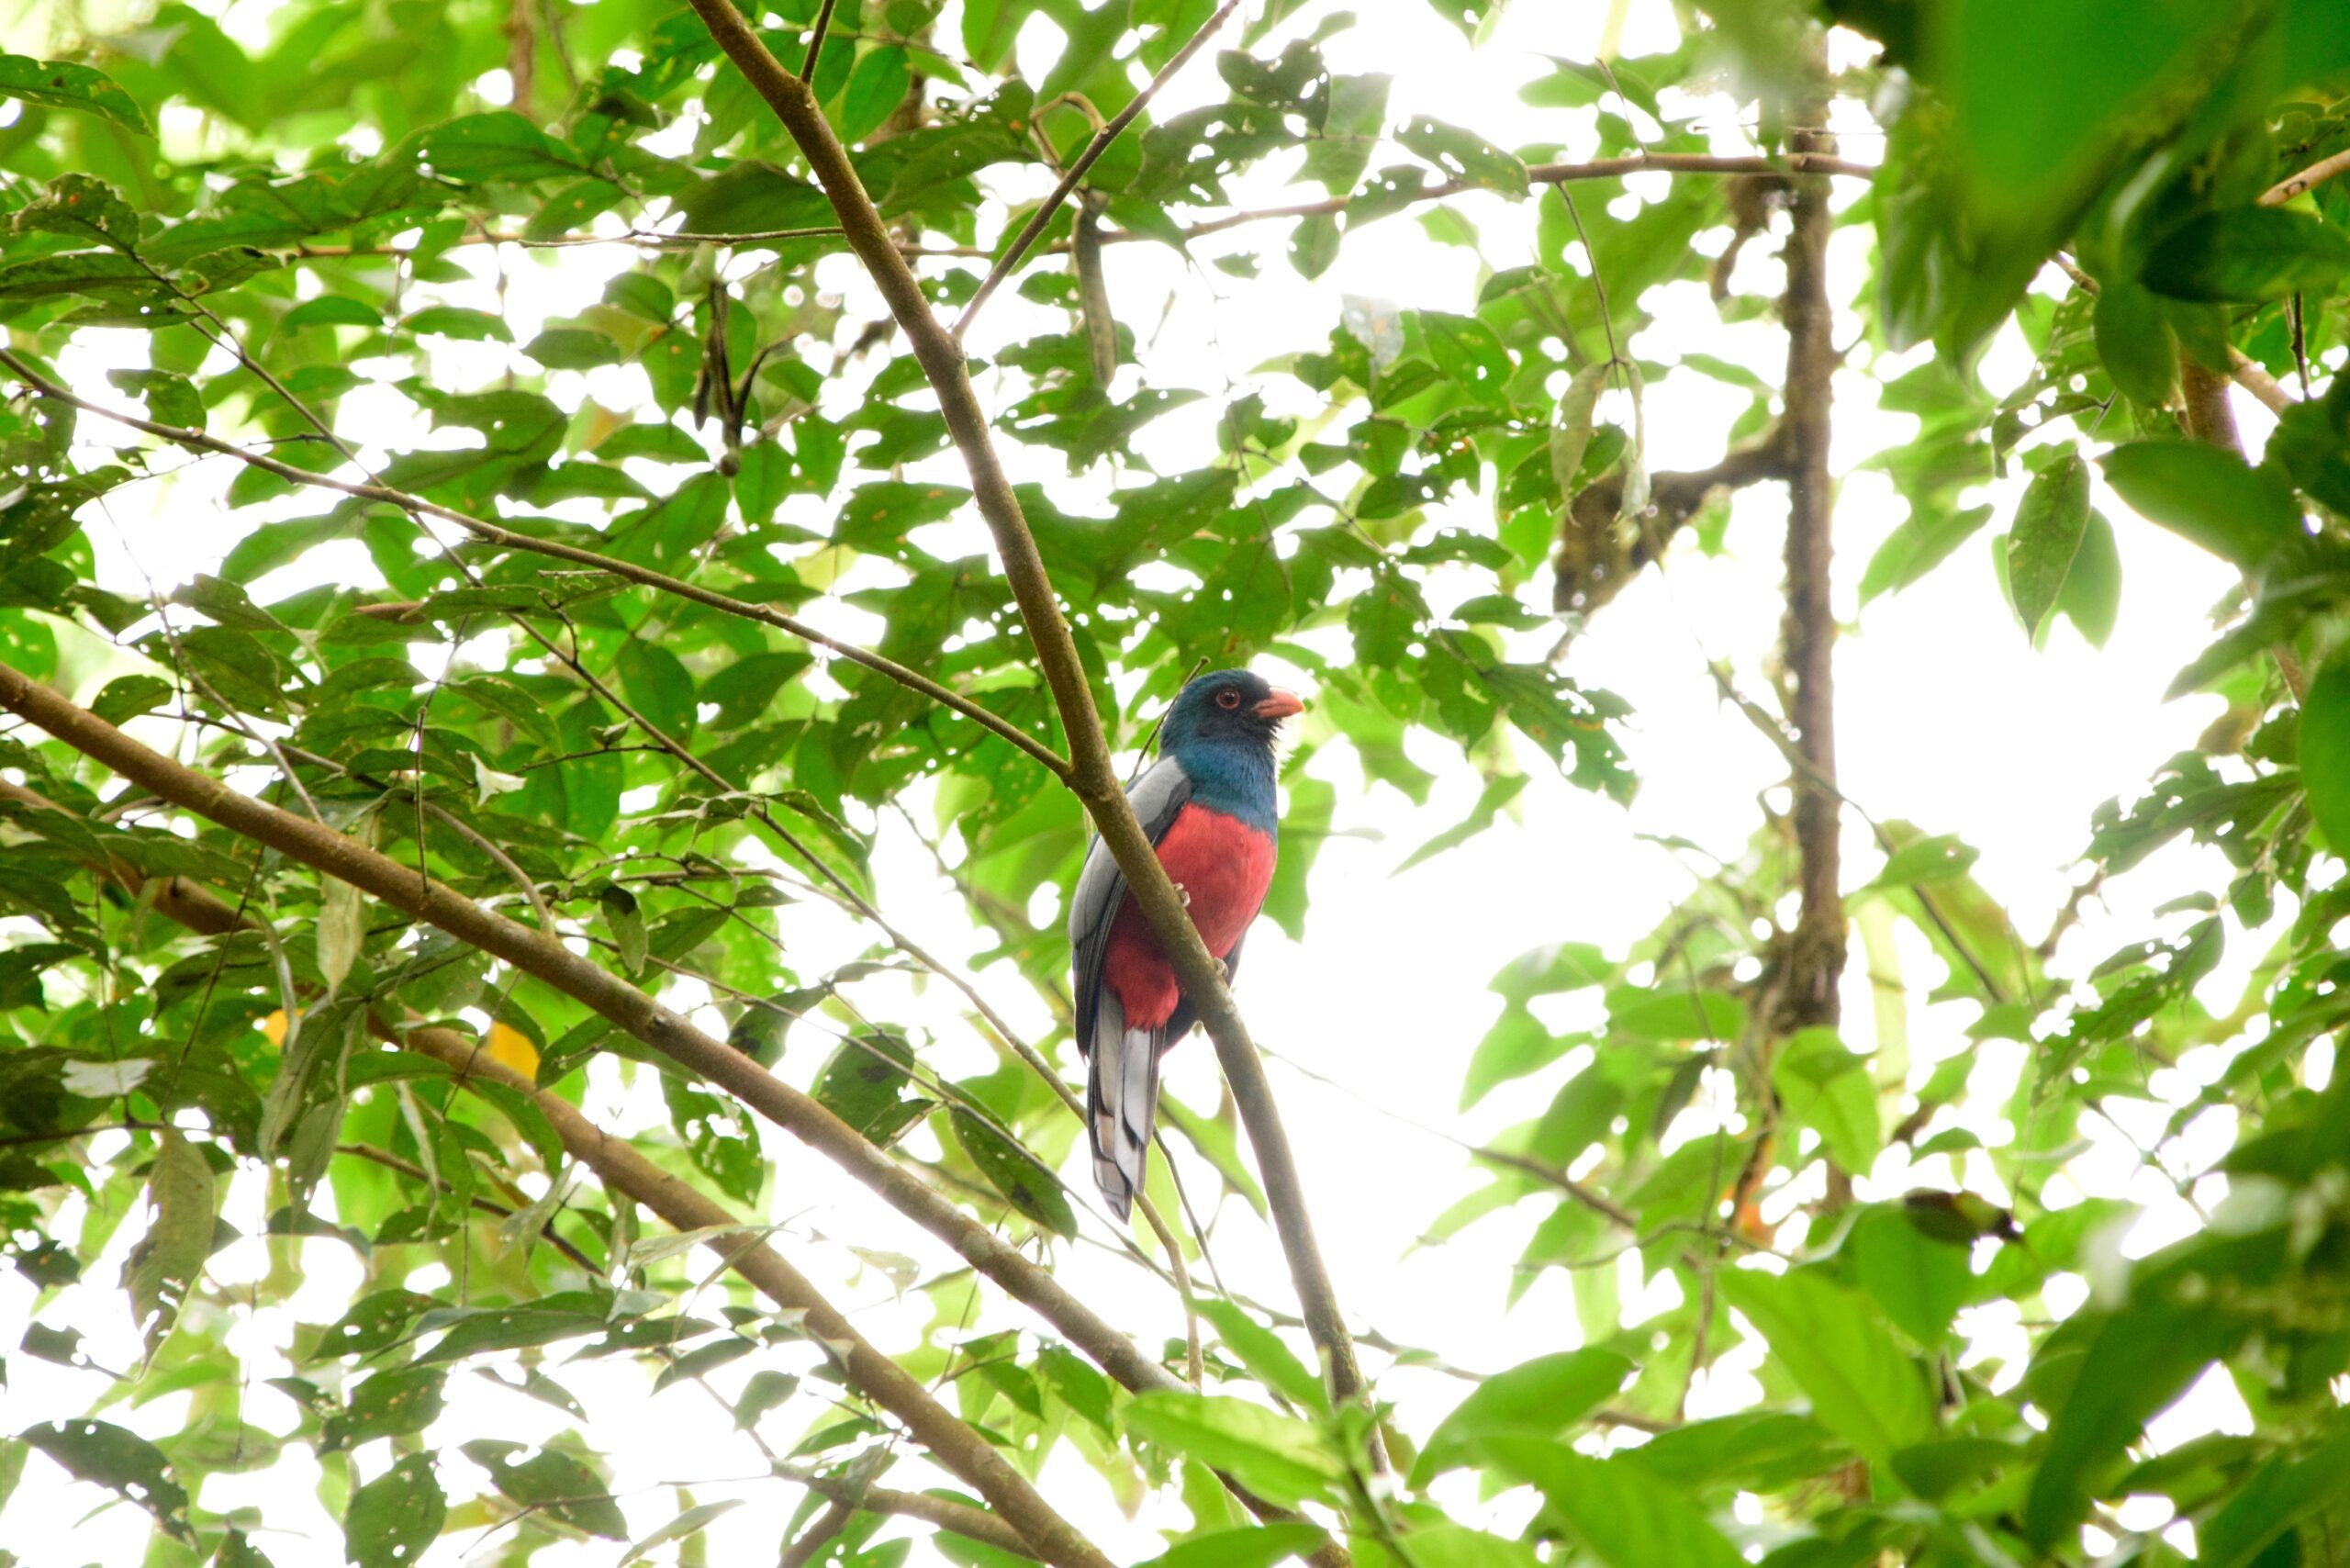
point(1208, 806)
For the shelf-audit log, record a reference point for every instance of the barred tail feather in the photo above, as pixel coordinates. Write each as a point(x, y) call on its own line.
point(1121, 1102)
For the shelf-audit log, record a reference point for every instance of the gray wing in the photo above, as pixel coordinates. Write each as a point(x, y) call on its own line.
point(1157, 797)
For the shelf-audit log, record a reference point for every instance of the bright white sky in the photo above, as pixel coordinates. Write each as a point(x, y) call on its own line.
point(1946, 718)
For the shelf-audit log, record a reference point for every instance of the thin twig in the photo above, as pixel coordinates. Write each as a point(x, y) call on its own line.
point(391, 1161)
point(507, 538)
point(2316, 174)
point(1037, 222)
point(816, 42)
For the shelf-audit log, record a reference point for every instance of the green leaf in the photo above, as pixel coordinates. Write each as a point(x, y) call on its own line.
point(2133, 1364)
point(863, 1083)
point(627, 923)
point(552, 1481)
point(1551, 968)
point(1924, 540)
point(102, 275)
point(342, 928)
point(2247, 255)
point(1541, 1398)
point(2280, 1495)
point(2091, 599)
point(2324, 732)
point(1313, 245)
point(394, 1516)
point(1464, 155)
point(2209, 497)
point(500, 147)
point(473, 1331)
point(451, 321)
point(2135, 341)
point(689, 1523)
point(1826, 1088)
point(331, 311)
point(390, 1404)
point(86, 208)
point(1863, 1387)
point(1673, 1015)
point(168, 1261)
point(128, 695)
point(1918, 1281)
point(1252, 1546)
point(1517, 1044)
point(1278, 1458)
point(1264, 1353)
point(751, 197)
point(1025, 1184)
point(120, 1461)
point(658, 685)
point(2046, 535)
point(1627, 1517)
point(575, 348)
point(55, 84)
point(1456, 1546)
point(875, 89)
point(1303, 829)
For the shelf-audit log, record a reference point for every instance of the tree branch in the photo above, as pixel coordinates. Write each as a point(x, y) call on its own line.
point(618, 1164)
point(1091, 776)
point(505, 538)
point(961, 1519)
point(612, 998)
point(816, 41)
point(827, 1528)
point(1599, 554)
point(1816, 950)
point(1542, 175)
point(1043, 217)
point(2315, 174)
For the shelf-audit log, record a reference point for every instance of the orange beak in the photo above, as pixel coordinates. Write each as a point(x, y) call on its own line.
point(1280, 705)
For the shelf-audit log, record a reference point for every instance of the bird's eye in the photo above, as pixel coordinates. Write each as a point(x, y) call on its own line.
point(1227, 699)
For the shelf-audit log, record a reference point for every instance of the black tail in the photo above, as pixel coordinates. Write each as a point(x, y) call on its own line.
point(1121, 1102)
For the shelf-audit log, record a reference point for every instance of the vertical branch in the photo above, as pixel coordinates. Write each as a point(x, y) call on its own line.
point(2206, 413)
point(1814, 961)
point(522, 53)
point(1811, 966)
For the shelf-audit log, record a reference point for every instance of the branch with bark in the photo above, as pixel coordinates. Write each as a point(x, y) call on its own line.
point(1600, 551)
point(962, 1450)
point(1091, 776)
point(615, 1163)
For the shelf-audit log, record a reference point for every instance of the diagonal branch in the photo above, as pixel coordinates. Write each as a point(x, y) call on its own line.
point(959, 1518)
point(1091, 777)
point(613, 999)
point(617, 1163)
point(1110, 132)
point(507, 538)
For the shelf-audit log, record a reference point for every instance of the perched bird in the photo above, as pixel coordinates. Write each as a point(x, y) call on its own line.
point(1208, 805)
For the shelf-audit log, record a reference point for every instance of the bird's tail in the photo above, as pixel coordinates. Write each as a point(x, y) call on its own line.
point(1121, 1102)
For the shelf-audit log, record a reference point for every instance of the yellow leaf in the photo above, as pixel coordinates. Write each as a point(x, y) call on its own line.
point(509, 1047)
point(275, 1028)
